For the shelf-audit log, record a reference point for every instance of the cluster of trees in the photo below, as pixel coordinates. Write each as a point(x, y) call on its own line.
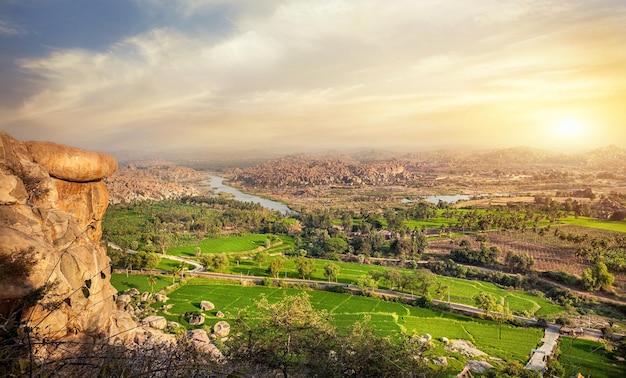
point(486, 255)
point(138, 260)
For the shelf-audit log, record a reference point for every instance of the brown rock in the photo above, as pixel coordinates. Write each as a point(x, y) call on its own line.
point(50, 238)
point(70, 163)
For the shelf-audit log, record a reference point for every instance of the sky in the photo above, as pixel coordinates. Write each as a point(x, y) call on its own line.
point(301, 75)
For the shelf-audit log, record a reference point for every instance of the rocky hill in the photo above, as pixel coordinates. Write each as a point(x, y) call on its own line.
point(54, 275)
point(151, 180)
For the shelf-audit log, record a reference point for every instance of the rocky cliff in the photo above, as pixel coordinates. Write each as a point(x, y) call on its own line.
point(54, 275)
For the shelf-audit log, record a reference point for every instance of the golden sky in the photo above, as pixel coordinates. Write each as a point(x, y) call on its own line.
point(299, 75)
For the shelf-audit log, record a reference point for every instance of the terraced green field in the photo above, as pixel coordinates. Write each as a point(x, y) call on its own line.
point(589, 358)
point(387, 318)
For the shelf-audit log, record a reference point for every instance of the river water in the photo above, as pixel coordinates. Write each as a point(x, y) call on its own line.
point(217, 184)
point(435, 199)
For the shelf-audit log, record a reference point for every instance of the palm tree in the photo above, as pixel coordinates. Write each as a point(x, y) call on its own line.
point(176, 270)
point(152, 280)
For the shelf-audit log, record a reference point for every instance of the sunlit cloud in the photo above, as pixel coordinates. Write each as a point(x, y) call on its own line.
point(300, 74)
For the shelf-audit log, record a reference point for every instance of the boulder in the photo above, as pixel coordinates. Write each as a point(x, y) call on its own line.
point(153, 321)
point(200, 340)
point(477, 366)
point(221, 329)
point(206, 306)
point(70, 163)
point(196, 319)
point(145, 296)
point(219, 314)
point(441, 361)
point(133, 292)
point(122, 301)
point(161, 298)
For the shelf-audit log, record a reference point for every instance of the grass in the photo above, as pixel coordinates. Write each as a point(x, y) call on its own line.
point(595, 223)
point(386, 318)
point(246, 243)
point(461, 291)
point(140, 282)
point(589, 358)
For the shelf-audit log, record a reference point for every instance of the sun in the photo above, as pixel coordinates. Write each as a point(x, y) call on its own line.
point(569, 127)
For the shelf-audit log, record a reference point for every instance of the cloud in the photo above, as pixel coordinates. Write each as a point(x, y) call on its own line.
point(9, 28)
point(298, 73)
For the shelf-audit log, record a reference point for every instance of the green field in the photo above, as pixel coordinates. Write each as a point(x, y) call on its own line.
point(589, 358)
point(138, 281)
point(594, 223)
point(246, 243)
point(461, 291)
point(387, 318)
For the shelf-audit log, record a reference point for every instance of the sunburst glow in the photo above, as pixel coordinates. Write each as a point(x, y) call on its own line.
point(570, 127)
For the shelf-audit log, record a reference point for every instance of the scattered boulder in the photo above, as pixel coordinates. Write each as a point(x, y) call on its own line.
point(445, 340)
point(221, 329)
point(428, 337)
point(478, 366)
point(196, 319)
point(123, 300)
point(145, 296)
point(465, 348)
point(200, 340)
point(441, 361)
point(206, 306)
point(156, 322)
point(133, 292)
point(161, 298)
point(219, 314)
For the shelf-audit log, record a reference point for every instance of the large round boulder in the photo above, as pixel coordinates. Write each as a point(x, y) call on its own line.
point(221, 329)
point(71, 163)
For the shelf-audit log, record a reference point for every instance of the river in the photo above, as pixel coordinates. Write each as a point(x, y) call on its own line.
point(217, 184)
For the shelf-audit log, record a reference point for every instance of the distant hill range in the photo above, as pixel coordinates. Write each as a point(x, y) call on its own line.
point(151, 180)
point(385, 168)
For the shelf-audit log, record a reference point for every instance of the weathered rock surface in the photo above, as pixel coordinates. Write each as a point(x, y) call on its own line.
point(200, 340)
point(52, 199)
point(221, 329)
point(206, 306)
point(153, 321)
point(72, 164)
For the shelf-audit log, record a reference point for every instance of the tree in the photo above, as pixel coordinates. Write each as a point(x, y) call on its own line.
point(519, 262)
point(597, 278)
point(305, 266)
point(275, 266)
point(290, 336)
point(152, 280)
point(394, 277)
point(331, 271)
point(367, 284)
point(335, 245)
point(176, 270)
point(485, 301)
point(260, 258)
point(220, 261)
point(425, 280)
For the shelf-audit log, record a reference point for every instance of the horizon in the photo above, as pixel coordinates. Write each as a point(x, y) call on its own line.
point(168, 77)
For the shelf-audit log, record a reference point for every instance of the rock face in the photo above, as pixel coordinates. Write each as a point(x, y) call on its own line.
point(52, 199)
